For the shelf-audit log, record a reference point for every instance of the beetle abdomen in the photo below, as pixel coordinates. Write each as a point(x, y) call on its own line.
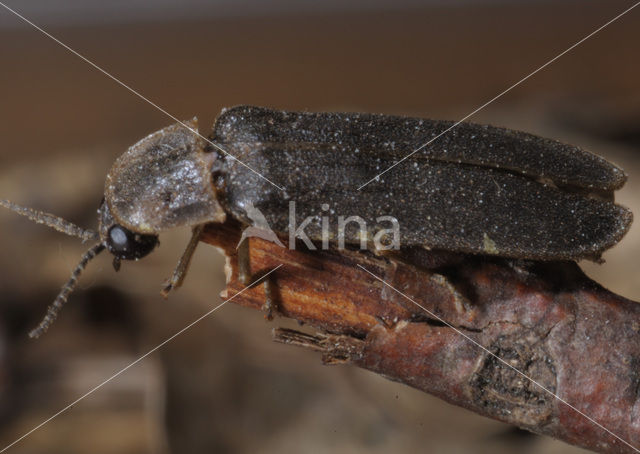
point(477, 189)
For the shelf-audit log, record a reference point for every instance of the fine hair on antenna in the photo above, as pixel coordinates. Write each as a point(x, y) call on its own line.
point(51, 220)
point(54, 308)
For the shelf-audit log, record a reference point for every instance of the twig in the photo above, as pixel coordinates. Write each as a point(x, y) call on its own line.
point(575, 339)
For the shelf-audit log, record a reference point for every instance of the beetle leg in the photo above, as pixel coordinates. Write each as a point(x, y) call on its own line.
point(244, 262)
point(182, 267)
point(246, 278)
point(270, 305)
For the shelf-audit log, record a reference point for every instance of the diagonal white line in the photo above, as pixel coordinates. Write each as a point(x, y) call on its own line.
point(501, 94)
point(138, 94)
point(121, 371)
point(502, 360)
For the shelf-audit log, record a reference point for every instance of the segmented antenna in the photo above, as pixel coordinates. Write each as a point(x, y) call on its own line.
point(48, 219)
point(54, 308)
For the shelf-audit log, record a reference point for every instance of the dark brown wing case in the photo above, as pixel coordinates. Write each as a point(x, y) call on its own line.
point(476, 189)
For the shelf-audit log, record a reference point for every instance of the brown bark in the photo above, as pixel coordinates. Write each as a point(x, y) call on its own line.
point(548, 320)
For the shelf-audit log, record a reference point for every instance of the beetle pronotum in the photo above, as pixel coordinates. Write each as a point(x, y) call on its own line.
point(476, 190)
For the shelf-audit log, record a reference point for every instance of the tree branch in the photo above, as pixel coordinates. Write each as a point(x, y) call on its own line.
point(547, 320)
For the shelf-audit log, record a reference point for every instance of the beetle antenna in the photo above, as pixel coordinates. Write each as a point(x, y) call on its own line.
point(54, 308)
point(48, 219)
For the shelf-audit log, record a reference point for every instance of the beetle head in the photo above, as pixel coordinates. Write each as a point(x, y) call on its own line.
point(123, 243)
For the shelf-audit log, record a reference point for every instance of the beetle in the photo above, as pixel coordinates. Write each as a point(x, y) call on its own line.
point(476, 190)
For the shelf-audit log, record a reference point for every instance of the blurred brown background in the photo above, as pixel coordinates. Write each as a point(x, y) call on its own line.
point(223, 386)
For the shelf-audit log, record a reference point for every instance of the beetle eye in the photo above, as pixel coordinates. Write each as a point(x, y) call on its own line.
point(128, 245)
